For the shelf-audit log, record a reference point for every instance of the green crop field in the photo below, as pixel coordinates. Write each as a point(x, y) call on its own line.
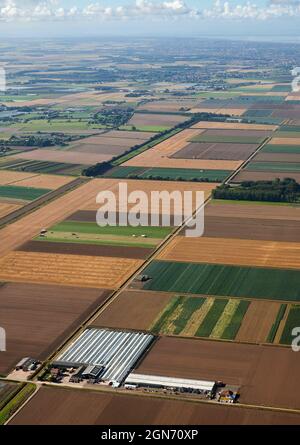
point(93, 228)
point(41, 167)
point(23, 193)
point(274, 166)
point(269, 148)
point(56, 125)
point(201, 317)
point(169, 174)
point(258, 113)
point(228, 139)
point(293, 321)
point(287, 134)
point(275, 325)
point(223, 280)
point(291, 128)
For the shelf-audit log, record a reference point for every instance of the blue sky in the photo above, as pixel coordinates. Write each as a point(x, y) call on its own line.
point(243, 18)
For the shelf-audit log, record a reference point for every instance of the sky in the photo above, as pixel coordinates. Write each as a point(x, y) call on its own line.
point(268, 19)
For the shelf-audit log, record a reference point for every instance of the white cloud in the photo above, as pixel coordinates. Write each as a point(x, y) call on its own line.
point(51, 10)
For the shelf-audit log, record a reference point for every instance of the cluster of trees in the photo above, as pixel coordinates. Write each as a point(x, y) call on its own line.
point(286, 190)
point(97, 169)
point(169, 178)
point(114, 117)
point(38, 140)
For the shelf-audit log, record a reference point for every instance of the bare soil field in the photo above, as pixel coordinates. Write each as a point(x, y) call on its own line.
point(62, 156)
point(29, 226)
point(86, 249)
point(54, 406)
point(215, 150)
point(264, 176)
point(284, 141)
point(258, 321)
point(123, 135)
point(38, 317)
point(163, 120)
point(70, 270)
point(277, 157)
point(133, 310)
point(249, 210)
point(6, 208)
point(233, 251)
point(9, 177)
point(287, 114)
point(260, 370)
point(252, 228)
point(99, 149)
point(234, 126)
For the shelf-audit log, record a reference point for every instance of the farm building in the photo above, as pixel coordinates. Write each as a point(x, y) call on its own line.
point(113, 352)
point(184, 385)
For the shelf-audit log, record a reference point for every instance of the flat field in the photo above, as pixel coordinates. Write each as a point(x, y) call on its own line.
point(233, 251)
point(54, 406)
point(214, 279)
point(72, 270)
point(38, 317)
point(259, 370)
point(212, 150)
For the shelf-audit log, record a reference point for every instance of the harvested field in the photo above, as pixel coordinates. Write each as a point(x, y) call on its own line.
point(224, 151)
point(249, 209)
point(221, 280)
point(37, 318)
point(234, 126)
point(10, 177)
point(123, 135)
point(62, 156)
point(29, 226)
point(285, 141)
point(141, 309)
point(233, 251)
point(260, 370)
point(6, 208)
point(247, 175)
point(54, 406)
point(258, 321)
point(70, 270)
point(51, 182)
point(251, 228)
point(277, 157)
point(86, 249)
point(163, 120)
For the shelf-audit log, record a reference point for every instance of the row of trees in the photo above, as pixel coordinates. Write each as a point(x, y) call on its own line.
point(286, 190)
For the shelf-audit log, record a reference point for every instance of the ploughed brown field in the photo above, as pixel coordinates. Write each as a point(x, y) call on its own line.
point(267, 375)
point(234, 126)
point(90, 216)
point(54, 406)
point(258, 321)
point(86, 249)
point(70, 270)
point(37, 318)
point(264, 176)
point(249, 210)
point(225, 151)
point(252, 228)
point(133, 310)
point(236, 132)
point(233, 251)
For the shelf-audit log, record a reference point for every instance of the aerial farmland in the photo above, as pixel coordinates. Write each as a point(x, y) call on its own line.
point(141, 323)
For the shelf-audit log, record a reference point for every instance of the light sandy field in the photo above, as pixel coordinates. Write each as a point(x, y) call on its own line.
point(9, 177)
point(233, 251)
point(158, 156)
point(234, 126)
point(26, 228)
point(285, 141)
point(51, 182)
point(62, 156)
point(147, 187)
point(6, 208)
point(69, 270)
